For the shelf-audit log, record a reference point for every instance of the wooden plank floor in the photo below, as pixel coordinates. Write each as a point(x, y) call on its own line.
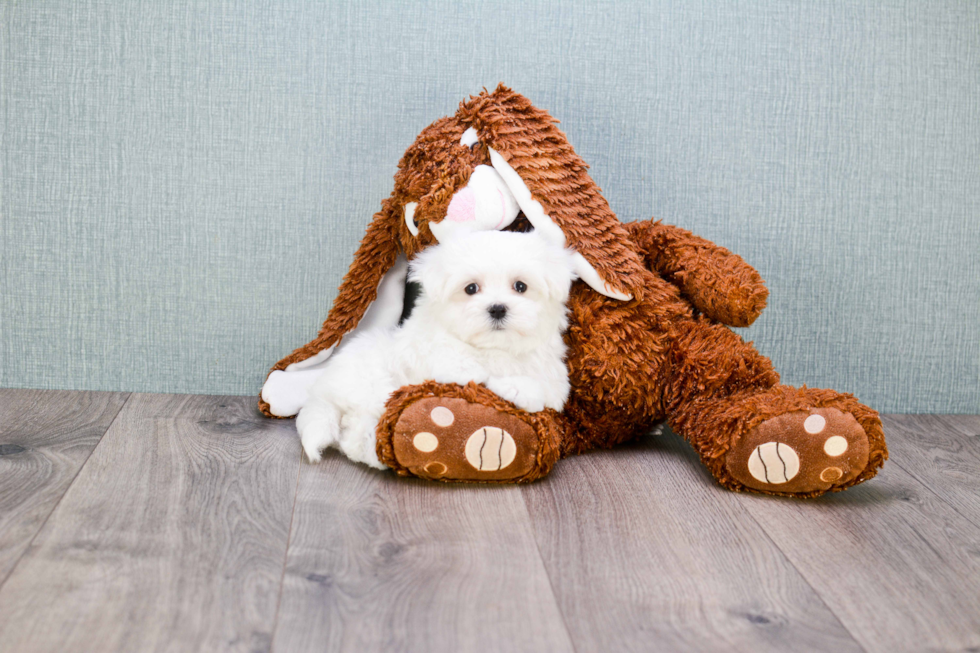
point(184, 523)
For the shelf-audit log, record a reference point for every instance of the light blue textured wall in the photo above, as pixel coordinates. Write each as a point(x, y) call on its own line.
point(183, 183)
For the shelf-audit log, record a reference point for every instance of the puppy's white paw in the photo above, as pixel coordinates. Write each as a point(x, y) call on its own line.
point(365, 451)
point(522, 391)
point(314, 455)
point(359, 441)
point(314, 439)
point(317, 430)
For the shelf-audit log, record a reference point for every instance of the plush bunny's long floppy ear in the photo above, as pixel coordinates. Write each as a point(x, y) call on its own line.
point(553, 188)
point(371, 294)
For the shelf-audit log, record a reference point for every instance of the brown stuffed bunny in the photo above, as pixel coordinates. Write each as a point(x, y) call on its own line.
point(647, 340)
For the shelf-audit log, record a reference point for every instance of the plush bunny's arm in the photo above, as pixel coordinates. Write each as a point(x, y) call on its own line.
point(719, 283)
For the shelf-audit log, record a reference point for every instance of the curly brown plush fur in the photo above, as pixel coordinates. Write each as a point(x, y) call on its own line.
point(667, 353)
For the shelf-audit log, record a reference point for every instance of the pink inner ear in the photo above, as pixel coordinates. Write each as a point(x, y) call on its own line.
point(462, 208)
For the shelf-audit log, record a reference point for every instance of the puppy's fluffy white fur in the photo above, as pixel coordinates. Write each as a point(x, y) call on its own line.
point(455, 334)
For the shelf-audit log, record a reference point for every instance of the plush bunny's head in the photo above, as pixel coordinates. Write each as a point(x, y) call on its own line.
point(498, 159)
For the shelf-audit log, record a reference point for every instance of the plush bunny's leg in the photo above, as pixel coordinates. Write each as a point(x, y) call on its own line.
point(755, 434)
point(453, 433)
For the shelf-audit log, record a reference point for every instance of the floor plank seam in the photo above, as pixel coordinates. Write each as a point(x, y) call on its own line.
point(44, 523)
point(285, 557)
point(806, 580)
point(551, 585)
point(970, 518)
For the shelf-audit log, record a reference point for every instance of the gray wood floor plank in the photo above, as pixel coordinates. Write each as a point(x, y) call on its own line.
point(897, 565)
point(172, 538)
point(381, 563)
point(45, 438)
point(965, 424)
point(646, 552)
point(943, 453)
point(169, 532)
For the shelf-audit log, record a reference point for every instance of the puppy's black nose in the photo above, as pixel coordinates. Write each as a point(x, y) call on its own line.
point(497, 311)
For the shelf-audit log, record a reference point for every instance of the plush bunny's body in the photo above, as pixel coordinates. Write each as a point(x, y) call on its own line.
point(648, 338)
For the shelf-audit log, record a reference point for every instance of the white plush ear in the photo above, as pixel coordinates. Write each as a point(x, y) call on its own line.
point(469, 138)
point(287, 392)
point(546, 227)
point(410, 218)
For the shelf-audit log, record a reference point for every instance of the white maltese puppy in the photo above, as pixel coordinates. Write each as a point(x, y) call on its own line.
point(492, 310)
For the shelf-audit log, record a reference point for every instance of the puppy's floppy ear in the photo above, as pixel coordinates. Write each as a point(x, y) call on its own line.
point(559, 272)
point(429, 270)
point(553, 188)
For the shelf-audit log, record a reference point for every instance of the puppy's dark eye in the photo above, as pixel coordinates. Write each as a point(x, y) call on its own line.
point(520, 286)
point(472, 289)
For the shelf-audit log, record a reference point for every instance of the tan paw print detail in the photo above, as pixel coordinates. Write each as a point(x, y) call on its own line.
point(490, 449)
point(800, 452)
point(452, 439)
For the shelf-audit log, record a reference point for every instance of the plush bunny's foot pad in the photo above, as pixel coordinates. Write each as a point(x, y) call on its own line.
point(447, 438)
point(801, 452)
